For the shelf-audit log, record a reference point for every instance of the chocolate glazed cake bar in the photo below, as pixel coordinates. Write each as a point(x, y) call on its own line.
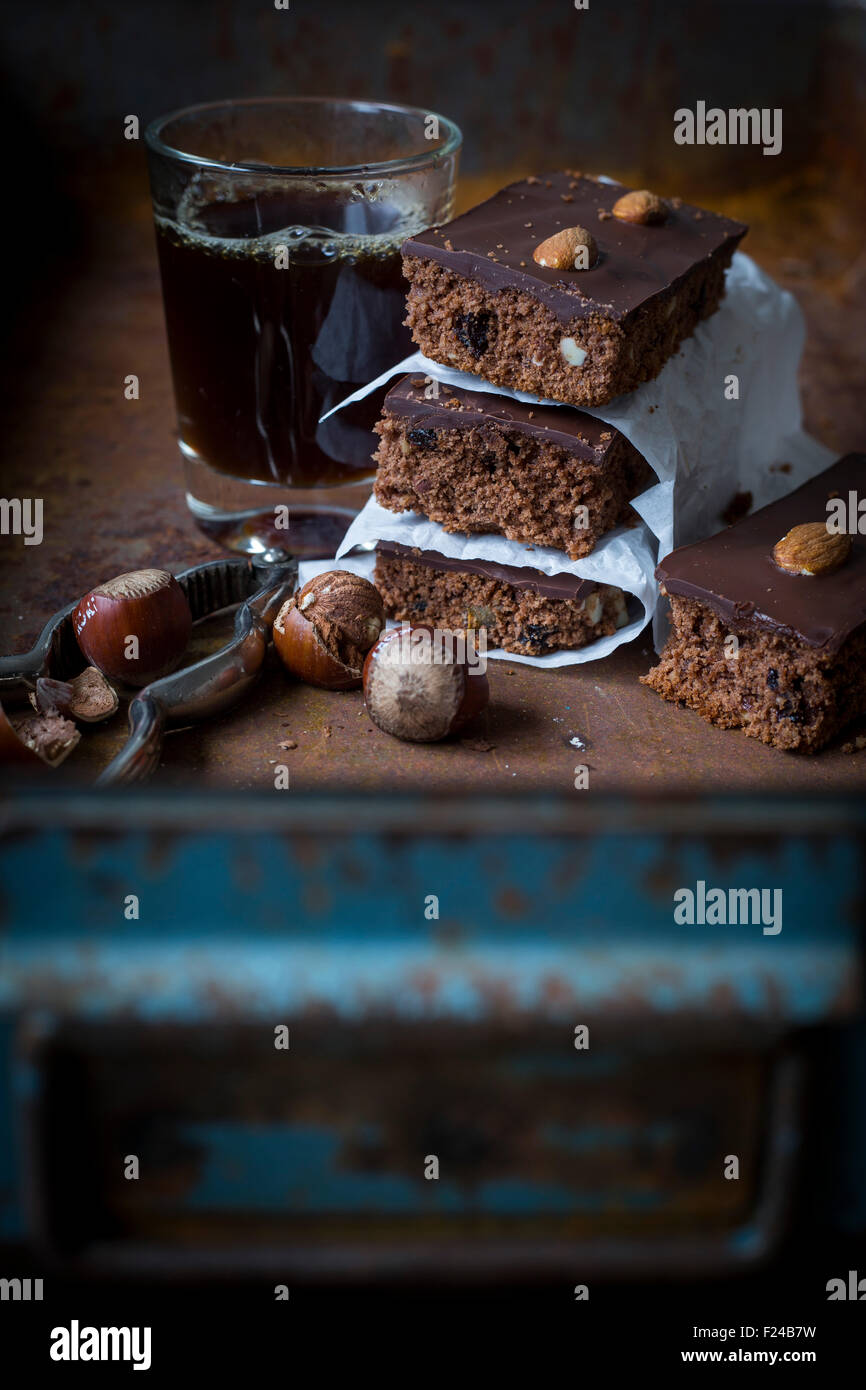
point(793, 593)
point(522, 609)
point(479, 301)
point(478, 462)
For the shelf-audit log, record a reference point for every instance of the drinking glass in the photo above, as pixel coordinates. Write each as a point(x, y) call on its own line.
point(278, 225)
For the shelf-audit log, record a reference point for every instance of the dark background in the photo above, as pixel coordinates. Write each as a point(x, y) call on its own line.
point(533, 86)
point(529, 83)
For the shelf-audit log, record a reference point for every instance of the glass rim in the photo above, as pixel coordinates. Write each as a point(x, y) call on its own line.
point(452, 143)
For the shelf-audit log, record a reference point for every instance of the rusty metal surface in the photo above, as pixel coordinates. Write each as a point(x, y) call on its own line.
point(108, 471)
point(313, 1168)
point(315, 906)
point(156, 1033)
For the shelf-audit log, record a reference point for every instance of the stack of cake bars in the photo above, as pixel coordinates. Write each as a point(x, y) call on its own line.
point(482, 301)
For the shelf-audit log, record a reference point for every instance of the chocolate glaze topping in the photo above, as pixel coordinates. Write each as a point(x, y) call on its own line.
point(580, 434)
point(493, 245)
point(562, 586)
point(734, 572)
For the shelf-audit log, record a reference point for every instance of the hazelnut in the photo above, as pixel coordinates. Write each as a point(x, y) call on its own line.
point(812, 549)
point(573, 248)
point(421, 689)
point(136, 627)
point(640, 206)
point(323, 632)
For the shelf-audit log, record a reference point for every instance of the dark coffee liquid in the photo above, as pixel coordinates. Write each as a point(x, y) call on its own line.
point(260, 352)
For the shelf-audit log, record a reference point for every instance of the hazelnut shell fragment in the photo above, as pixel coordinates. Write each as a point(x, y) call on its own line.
point(88, 697)
point(51, 696)
point(12, 749)
point(37, 739)
point(324, 631)
point(413, 695)
point(811, 549)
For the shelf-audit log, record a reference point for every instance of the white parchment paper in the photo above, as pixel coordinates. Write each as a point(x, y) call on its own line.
point(707, 436)
point(705, 447)
point(624, 558)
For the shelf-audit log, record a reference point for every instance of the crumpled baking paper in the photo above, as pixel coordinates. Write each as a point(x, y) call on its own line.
point(705, 449)
point(625, 558)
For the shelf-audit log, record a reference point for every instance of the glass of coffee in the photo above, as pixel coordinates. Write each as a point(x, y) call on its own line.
point(279, 223)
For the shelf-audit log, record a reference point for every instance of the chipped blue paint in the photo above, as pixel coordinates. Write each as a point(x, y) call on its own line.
point(498, 889)
point(264, 925)
point(296, 1168)
point(260, 922)
point(158, 982)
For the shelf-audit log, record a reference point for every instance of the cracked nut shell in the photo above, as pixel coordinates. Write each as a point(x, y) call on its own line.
point(37, 740)
point(324, 631)
point(87, 696)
